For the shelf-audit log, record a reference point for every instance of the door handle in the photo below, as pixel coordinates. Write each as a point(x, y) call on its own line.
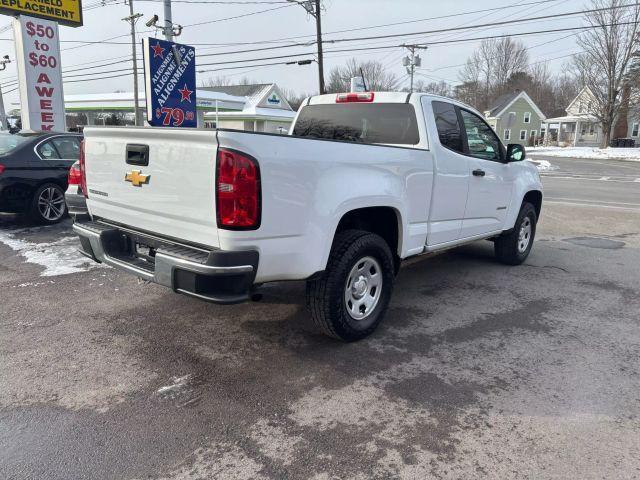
point(478, 173)
point(137, 154)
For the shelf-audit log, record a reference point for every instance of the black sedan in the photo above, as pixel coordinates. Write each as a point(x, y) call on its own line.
point(33, 173)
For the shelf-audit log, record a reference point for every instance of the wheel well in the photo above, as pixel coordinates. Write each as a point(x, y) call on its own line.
point(383, 221)
point(534, 197)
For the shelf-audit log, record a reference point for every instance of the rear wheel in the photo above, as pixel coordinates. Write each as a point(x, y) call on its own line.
point(514, 247)
point(48, 205)
point(351, 298)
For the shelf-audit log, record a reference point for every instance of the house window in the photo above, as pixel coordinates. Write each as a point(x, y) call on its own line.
point(583, 131)
point(523, 134)
point(634, 129)
point(592, 129)
point(580, 107)
point(507, 134)
point(527, 117)
point(534, 133)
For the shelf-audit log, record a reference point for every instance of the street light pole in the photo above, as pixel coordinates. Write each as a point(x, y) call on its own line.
point(319, 40)
point(168, 22)
point(313, 8)
point(412, 61)
point(132, 18)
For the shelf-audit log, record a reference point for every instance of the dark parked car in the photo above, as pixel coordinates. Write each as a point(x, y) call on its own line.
point(33, 173)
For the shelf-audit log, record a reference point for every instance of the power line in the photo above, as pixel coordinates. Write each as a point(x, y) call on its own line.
point(442, 42)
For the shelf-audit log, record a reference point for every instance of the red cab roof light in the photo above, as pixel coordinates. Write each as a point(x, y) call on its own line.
point(2, 168)
point(358, 97)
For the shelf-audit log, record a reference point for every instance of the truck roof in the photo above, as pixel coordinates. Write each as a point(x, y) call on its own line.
point(380, 97)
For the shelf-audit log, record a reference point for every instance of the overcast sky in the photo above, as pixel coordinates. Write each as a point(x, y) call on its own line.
point(439, 61)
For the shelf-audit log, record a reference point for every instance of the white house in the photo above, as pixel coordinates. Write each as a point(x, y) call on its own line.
point(579, 127)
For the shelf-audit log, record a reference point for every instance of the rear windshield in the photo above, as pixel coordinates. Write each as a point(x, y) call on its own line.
point(9, 142)
point(393, 123)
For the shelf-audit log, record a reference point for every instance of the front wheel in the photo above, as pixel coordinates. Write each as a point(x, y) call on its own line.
point(351, 297)
point(48, 205)
point(513, 248)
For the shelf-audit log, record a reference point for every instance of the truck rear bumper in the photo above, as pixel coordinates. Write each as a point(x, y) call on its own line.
point(213, 275)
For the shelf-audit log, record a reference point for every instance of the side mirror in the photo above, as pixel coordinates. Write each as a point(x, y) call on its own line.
point(515, 152)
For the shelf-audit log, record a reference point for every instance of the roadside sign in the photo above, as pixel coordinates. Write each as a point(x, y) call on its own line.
point(170, 83)
point(65, 12)
point(39, 74)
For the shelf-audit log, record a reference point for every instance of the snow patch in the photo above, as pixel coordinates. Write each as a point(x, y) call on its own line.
point(60, 257)
point(543, 165)
point(632, 154)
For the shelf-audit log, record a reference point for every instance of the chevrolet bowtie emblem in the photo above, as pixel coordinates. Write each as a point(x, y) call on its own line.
point(136, 178)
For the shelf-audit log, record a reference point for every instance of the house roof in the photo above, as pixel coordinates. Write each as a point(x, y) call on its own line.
point(238, 90)
point(256, 95)
point(503, 102)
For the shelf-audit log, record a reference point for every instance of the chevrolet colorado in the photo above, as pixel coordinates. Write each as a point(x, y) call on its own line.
point(362, 181)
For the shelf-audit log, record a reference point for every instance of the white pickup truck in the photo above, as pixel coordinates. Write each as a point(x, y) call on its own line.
point(363, 181)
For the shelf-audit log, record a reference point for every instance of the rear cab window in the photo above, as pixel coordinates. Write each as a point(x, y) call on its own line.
point(369, 123)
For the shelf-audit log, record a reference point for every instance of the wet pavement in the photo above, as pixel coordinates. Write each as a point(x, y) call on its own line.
point(479, 370)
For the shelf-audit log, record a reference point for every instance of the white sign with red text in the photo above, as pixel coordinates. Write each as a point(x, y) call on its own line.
point(39, 74)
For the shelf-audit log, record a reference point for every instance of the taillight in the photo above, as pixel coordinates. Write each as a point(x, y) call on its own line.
point(83, 171)
point(237, 191)
point(75, 175)
point(2, 168)
point(354, 97)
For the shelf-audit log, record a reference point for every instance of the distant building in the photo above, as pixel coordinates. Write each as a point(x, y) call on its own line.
point(260, 108)
point(579, 127)
point(516, 118)
point(265, 109)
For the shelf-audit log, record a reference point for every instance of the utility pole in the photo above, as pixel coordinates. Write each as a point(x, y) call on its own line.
point(412, 61)
point(313, 8)
point(168, 23)
point(3, 114)
point(132, 19)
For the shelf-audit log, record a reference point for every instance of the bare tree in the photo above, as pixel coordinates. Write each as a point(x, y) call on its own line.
point(376, 76)
point(491, 65)
point(223, 81)
point(607, 57)
point(441, 88)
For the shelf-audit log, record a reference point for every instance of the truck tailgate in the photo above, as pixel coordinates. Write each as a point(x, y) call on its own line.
point(171, 193)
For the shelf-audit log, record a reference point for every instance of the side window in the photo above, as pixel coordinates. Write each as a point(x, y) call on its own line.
point(68, 147)
point(448, 126)
point(523, 134)
point(48, 152)
point(483, 142)
point(527, 117)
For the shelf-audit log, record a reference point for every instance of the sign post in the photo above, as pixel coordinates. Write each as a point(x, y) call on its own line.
point(39, 74)
point(170, 83)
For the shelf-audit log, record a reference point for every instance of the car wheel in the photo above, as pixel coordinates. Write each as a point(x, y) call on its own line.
point(349, 300)
point(48, 205)
point(513, 248)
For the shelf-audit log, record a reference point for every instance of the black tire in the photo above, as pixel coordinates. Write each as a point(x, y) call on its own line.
point(326, 295)
point(40, 216)
point(508, 247)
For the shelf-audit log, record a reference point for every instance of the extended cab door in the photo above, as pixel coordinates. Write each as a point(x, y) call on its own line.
point(490, 180)
point(451, 173)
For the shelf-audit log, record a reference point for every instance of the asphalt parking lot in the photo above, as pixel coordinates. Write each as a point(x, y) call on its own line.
point(480, 370)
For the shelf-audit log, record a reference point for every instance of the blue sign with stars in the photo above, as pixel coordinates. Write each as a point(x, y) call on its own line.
point(170, 83)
